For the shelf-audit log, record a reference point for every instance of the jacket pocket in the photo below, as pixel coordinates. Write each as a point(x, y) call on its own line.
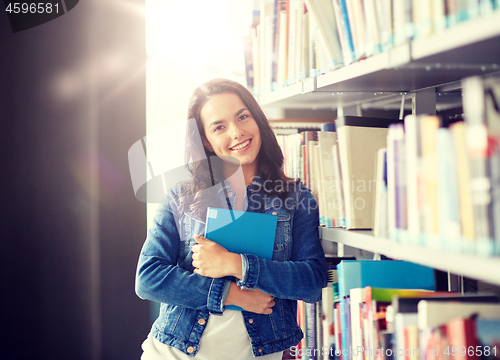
point(283, 233)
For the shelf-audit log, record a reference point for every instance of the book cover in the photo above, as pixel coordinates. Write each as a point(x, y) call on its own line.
point(488, 336)
point(359, 139)
point(383, 274)
point(236, 231)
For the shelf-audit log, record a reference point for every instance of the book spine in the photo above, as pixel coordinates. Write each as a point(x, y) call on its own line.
point(429, 126)
point(344, 33)
point(391, 186)
point(311, 352)
point(338, 332)
point(400, 180)
point(476, 139)
point(448, 205)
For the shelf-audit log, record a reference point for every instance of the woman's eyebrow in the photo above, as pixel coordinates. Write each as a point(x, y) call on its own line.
point(240, 111)
point(216, 122)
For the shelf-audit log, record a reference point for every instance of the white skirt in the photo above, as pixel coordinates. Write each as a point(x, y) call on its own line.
point(225, 338)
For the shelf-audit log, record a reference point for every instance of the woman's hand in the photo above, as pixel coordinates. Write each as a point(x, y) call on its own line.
point(212, 260)
point(251, 300)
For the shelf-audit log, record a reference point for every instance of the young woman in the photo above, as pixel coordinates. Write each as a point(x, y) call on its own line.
point(194, 278)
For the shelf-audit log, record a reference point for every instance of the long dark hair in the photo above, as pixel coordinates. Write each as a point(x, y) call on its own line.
point(270, 157)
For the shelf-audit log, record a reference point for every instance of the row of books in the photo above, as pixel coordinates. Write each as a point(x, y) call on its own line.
point(291, 40)
point(373, 310)
point(337, 164)
point(421, 181)
point(440, 183)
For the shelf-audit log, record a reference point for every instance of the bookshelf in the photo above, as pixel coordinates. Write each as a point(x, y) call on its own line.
point(466, 49)
point(439, 61)
point(476, 267)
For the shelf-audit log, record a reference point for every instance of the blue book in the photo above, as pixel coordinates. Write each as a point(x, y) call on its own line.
point(382, 274)
point(242, 232)
point(488, 335)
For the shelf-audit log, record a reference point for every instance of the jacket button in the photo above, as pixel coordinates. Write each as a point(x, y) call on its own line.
point(190, 349)
point(250, 321)
point(274, 213)
point(202, 321)
point(260, 351)
point(230, 194)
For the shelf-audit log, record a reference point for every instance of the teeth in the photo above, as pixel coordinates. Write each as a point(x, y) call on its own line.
point(241, 146)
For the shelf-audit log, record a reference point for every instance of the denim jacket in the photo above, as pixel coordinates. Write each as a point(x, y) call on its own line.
point(297, 272)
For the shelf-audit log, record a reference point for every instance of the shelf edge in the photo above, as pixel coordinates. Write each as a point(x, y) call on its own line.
point(481, 268)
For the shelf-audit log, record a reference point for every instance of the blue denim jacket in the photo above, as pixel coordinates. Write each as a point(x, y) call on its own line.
point(297, 272)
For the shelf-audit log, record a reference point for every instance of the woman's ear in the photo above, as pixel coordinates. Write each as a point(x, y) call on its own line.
point(207, 145)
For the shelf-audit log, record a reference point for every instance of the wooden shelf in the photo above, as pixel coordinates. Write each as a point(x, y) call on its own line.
point(481, 268)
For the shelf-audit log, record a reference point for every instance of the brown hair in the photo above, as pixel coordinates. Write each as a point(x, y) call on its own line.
point(270, 157)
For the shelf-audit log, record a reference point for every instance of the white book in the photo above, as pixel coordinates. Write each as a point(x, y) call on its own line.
point(438, 16)
point(358, 145)
point(327, 311)
point(326, 140)
point(282, 50)
point(320, 10)
point(401, 321)
point(372, 28)
point(338, 204)
point(391, 189)
point(380, 202)
point(414, 177)
point(306, 46)
point(254, 34)
point(292, 28)
point(299, 22)
point(447, 186)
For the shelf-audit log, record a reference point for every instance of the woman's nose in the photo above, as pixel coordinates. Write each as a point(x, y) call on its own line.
point(236, 131)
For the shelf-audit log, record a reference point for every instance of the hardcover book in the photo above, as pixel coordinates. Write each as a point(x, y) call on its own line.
point(242, 232)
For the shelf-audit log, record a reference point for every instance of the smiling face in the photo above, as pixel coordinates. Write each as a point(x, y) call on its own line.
point(231, 130)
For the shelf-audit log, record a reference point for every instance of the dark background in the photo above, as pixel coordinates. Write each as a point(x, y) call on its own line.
point(72, 102)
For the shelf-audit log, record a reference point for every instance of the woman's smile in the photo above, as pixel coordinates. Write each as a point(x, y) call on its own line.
point(243, 146)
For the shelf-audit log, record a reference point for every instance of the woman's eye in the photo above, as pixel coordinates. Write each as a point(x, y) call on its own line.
point(220, 127)
point(243, 117)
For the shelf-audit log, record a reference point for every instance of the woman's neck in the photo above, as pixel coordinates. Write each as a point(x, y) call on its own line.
point(243, 175)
